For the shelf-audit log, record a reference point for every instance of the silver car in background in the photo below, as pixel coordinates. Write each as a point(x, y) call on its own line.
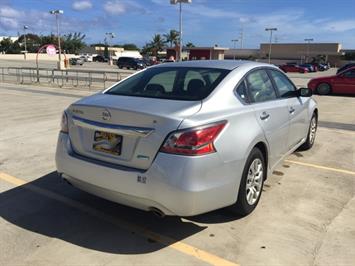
point(186, 138)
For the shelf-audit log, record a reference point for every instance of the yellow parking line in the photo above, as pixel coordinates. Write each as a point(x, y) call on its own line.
point(13, 180)
point(164, 240)
point(322, 167)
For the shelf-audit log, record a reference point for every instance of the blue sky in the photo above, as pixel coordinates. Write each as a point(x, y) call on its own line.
point(206, 22)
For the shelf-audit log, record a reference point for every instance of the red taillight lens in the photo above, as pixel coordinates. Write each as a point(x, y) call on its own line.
point(196, 141)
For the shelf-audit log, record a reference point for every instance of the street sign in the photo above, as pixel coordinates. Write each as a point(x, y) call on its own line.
point(51, 50)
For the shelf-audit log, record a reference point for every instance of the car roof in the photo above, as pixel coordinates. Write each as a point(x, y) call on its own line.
point(221, 64)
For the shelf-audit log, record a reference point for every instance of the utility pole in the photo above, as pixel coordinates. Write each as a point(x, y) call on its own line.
point(24, 30)
point(308, 41)
point(56, 13)
point(174, 2)
point(270, 42)
point(235, 42)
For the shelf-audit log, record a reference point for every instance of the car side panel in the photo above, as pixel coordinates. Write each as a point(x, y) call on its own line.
point(235, 142)
point(275, 127)
point(299, 120)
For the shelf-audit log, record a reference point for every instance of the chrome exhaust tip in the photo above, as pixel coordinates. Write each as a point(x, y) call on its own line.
point(157, 212)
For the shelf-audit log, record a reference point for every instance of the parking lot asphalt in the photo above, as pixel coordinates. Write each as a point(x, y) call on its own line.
point(305, 217)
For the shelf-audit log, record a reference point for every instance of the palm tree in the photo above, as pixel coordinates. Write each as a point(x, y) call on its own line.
point(157, 44)
point(190, 45)
point(172, 37)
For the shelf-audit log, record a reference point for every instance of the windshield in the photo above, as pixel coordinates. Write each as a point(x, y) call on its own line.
point(176, 83)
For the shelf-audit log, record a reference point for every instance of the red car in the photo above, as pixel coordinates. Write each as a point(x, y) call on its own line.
point(293, 68)
point(342, 83)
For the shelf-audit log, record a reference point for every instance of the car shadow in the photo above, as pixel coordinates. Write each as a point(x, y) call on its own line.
point(51, 207)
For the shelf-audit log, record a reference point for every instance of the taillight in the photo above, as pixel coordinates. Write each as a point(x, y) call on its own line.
point(64, 123)
point(195, 141)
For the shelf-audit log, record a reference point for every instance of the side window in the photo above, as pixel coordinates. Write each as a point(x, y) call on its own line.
point(242, 92)
point(283, 85)
point(260, 86)
point(350, 73)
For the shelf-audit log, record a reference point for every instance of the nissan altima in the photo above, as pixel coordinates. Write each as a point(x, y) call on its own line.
point(186, 138)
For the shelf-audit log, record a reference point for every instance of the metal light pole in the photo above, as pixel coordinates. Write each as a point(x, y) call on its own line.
point(24, 30)
point(235, 42)
point(308, 41)
point(56, 13)
point(110, 35)
point(174, 2)
point(270, 43)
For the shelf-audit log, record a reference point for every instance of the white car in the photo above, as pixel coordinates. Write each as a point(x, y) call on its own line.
point(186, 138)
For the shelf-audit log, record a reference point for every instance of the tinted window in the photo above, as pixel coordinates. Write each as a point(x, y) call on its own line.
point(242, 92)
point(164, 81)
point(260, 86)
point(178, 83)
point(283, 85)
point(350, 73)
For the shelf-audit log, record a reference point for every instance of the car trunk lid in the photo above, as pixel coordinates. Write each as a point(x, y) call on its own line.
point(125, 130)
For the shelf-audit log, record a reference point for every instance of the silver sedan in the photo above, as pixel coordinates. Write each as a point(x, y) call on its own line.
point(186, 138)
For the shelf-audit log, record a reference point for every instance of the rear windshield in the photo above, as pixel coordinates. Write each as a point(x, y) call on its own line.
point(175, 83)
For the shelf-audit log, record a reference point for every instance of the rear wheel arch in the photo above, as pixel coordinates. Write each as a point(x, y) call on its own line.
point(316, 113)
point(264, 150)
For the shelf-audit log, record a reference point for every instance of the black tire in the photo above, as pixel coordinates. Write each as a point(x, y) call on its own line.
point(324, 89)
point(311, 135)
point(242, 206)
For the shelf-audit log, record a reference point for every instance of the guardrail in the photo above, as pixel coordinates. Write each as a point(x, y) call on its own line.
point(70, 77)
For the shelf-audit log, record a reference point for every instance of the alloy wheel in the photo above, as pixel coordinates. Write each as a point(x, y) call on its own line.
point(254, 181)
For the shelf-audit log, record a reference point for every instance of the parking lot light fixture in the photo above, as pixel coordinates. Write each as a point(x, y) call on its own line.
point(57, 13)
point(174, 2)
point(235, 43)
point(110, 36)
point(24, 36)
point(270, 42)
point(308, 41)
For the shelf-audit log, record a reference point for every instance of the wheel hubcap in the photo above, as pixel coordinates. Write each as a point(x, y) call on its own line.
point(323, 89)
point(254, 181)
point(312, 130)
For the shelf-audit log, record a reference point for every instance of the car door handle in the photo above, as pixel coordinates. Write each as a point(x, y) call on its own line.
point(264, 116)
point(291, 110)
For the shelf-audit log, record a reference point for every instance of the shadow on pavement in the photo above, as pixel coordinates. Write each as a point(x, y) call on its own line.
point(35, 207)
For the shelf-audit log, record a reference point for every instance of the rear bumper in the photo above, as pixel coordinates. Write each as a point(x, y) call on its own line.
point(177, 185)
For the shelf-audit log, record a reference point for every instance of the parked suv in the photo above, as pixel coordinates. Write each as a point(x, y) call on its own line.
point(130, 62)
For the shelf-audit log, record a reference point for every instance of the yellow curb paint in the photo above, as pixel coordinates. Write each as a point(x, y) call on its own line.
point(164, 240)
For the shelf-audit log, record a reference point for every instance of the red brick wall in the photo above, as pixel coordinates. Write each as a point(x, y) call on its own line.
point(198, 54)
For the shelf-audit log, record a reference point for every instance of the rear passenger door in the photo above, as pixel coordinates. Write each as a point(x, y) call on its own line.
point(297, 107)
point(271, 113)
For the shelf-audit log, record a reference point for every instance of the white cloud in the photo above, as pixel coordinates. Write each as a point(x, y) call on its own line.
point(8, 23)
point(117, 7)
point(82, 5)
point(8, 12)
point(341, 25)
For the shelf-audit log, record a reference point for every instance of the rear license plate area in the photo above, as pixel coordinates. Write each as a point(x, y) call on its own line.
point(107, 143)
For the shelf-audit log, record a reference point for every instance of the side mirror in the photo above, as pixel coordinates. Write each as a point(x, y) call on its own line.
point(304, 92)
